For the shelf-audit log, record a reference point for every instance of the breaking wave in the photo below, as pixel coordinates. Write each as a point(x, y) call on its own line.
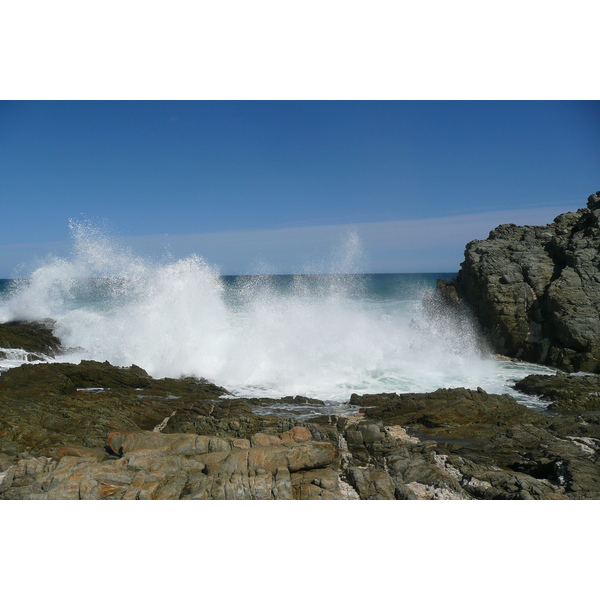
point(325, 335)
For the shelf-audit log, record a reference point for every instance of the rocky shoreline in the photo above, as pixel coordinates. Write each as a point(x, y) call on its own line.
point(97, 431)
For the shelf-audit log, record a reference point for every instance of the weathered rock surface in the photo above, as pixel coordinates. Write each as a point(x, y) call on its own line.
point(494, 447)
point(48, 405)
point(185, 466)
point(95, 431)
point(535, 291)
point(449, 414)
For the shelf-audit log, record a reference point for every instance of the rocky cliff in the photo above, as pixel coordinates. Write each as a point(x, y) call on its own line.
point(535, 290)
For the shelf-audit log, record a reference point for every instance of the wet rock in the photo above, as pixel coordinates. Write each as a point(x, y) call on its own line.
point(287, 400)
point(32, 336)
point(568, 394)
point(227, 418)
point(300, 401)
point(448, 414)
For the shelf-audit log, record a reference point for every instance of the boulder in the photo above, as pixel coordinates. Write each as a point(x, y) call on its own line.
point(535, 290)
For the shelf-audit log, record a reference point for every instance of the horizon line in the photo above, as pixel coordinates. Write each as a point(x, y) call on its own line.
point(276, 275)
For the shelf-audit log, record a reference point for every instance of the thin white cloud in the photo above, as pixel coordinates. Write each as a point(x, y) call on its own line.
point(412, 245)
point(432, 244)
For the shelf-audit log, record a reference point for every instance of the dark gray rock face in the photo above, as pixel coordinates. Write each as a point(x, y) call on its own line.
point(535, 290)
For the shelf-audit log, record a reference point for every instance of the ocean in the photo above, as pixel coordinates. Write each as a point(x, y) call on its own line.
point(324, 336)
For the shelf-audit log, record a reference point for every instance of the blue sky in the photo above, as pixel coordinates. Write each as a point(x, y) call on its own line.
point(282, 183)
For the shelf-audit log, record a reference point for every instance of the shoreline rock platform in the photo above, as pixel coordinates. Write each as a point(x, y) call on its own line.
point(96, 431)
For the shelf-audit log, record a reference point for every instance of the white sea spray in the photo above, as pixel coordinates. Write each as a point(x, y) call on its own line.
point(320, 336)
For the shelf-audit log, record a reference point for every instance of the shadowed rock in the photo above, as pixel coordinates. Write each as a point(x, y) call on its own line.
point(568, 394)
